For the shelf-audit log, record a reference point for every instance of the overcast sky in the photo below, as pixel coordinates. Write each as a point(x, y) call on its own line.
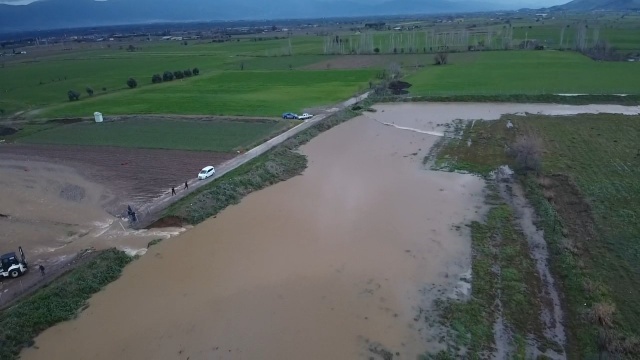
point(508, 3)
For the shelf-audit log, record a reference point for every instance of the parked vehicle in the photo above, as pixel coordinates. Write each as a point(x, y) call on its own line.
point(289, 116)
point(305, 116)
point(206, 172)
point(12, 266)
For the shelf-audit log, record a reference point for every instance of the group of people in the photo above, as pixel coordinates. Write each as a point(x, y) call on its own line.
point(173, 188)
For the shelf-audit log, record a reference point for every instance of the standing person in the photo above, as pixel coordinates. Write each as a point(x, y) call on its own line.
point(41, 269)
point(186, 185)
point(173, 190)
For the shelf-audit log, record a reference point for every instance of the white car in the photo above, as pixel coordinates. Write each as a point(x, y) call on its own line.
point(206, 172)
point(305, 116)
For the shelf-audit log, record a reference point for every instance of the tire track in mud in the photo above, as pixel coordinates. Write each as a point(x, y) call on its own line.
point(552, 315)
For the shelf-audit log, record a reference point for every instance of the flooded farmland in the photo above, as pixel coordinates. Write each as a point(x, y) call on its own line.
point(331, 264)
point(337, 263)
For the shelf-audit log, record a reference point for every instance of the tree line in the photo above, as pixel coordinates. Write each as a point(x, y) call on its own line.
point(179, 74)
point(133, 83)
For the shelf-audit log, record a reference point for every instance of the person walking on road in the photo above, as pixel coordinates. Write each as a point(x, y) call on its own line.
point(186, 185)
point(41, 269)
point(173, 190)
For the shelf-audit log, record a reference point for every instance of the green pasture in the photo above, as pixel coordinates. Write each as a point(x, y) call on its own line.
point(594, 251)
point(216, 135)
point(525, 72)
point(246, 93)
point(36, 82)
point(45, 80)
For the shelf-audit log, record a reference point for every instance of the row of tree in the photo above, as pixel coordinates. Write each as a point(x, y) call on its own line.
point(169, 76)
point(132, 83)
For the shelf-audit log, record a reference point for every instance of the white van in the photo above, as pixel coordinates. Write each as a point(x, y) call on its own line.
point(206, 172)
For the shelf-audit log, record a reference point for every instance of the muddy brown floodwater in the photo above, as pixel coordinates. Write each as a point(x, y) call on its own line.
point(339, 263)
point(332, 264)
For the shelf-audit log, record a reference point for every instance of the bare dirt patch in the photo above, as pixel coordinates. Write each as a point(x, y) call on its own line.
point(134, 175)
point(67, 121)
point(167, 221)
point(6, 131)
point(576, 213)
point(399, 87)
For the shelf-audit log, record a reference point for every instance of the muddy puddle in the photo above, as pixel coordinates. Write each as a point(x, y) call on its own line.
point(53, 213)
point(333, 264)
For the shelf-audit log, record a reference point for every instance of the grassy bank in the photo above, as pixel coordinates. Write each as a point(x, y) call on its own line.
point(278, 164)
point(587, 199)
point(58, 302)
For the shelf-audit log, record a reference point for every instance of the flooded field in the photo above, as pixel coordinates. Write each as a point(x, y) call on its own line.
point(50, 208)
point(340, 262)
point(337, 263)
point(54, 213)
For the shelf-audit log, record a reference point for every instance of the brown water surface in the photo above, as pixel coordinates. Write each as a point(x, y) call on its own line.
point(328, 265)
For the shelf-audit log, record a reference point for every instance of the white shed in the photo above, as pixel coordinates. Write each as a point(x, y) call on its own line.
point(97, 116)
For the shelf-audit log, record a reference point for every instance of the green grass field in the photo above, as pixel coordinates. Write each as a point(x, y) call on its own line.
point(526, 72)
point(250, 93)
point(594, 247)
point(217, 135)
point(44, 79)
point(41, 80)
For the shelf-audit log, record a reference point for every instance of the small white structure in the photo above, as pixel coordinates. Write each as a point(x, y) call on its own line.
point(97, 116)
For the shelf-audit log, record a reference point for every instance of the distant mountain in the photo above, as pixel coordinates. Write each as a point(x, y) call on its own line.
point(48, 14)
point(591, 5)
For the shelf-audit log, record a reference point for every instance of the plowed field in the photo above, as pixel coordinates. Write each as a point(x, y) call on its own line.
point(134, 175)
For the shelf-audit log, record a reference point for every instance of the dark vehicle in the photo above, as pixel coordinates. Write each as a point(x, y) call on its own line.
point(12, 266)
point(289, 116)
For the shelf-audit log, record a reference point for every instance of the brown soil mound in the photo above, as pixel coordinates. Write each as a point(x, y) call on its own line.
point(66, 121)
point(167, 221)
point(399, 87)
